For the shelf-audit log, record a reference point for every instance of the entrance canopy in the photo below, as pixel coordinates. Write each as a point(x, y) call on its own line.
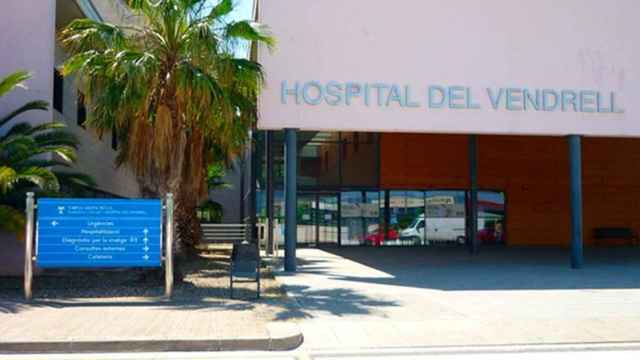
point(456, 66)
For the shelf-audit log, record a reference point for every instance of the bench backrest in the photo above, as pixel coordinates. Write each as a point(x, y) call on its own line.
point(224, 233)
point(613, 233)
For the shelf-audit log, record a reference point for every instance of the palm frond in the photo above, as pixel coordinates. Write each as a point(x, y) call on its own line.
point(8, 177)
point(12, 81)
point(42, 177)
point(224, 7)
point(32, 105)
point(75, 179)
point(250, 31)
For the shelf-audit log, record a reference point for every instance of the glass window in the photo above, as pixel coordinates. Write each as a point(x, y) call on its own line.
point(114, 138)
point(491, 217)
point(58, 90)
point(327, 216)
point(372, 216)
point(278, 216)
point(405, 208)
point(445, 217)
point(82, 110)
point(306, 214)
point(411, 223)
point(318, 159)
point(352, 225)
point(360, 167)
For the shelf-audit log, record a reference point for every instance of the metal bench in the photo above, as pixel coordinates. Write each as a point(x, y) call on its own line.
point(614, 233)
point(224, 233)
point(245, 266)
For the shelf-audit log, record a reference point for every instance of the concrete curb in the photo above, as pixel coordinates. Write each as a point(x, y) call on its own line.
point(484, 349)
point(282, 337)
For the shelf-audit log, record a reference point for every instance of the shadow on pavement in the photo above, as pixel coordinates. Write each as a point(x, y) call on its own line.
point(494, 268)
point(335, 301)
point(205, 285)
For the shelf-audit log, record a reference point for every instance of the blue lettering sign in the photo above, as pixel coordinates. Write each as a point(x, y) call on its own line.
point(456, 97)
point(335, 93)
point(495, 98)
point(96, 233)
point(437, 97)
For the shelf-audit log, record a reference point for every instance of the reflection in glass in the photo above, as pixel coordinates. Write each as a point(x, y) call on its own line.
point(491, 213)
point(351, 216)
point(412, 226)
point(278, 216)
point(406, 208)
point(318, 159)
point(372, 218)
point(327, 215)
point(445, 217)
point(306, 219)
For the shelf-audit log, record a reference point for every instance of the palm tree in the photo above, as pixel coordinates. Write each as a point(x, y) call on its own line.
point(31, 156)
point(174, 91)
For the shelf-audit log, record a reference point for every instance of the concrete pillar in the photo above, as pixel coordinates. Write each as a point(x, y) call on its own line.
point(575, 165)
point(290, 203)
point(473, 194)
point(269, 185)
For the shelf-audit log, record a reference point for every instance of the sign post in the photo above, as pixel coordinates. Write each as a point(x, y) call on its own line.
point(168, 257)
point(98, 233)
point(28, 248)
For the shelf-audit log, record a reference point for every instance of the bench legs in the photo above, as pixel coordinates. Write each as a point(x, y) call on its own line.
point(231, 288)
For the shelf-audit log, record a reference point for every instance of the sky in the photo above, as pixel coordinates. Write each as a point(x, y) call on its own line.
point(243, 11)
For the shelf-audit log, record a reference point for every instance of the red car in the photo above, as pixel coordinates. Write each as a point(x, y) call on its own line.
point(376, 237)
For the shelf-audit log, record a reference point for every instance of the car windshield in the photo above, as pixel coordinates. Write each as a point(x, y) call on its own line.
point(415, 222)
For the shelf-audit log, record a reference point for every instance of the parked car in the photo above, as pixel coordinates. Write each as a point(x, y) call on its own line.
point(437, 230)
point(491, 232)
point(376, 237)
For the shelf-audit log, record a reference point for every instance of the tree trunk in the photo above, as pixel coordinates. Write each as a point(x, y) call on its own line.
point(188, 224)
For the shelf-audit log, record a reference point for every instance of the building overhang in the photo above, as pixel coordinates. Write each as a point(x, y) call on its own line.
point(88, 9)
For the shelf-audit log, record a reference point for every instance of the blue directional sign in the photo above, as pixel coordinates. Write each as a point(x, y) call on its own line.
point(90, 233)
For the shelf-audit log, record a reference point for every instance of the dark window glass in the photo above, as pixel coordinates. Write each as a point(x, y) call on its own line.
point(82, 110)
point(318, 157)
point(114, 139)
point(491, 217)
point(361, 168)
point(58, 90)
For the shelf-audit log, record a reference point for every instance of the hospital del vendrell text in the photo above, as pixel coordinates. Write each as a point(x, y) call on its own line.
point(336, 93)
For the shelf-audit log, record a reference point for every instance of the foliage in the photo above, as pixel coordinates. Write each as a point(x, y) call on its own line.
point(178, 97)
point(215, 177)
point(30, 156)
point(211, 211)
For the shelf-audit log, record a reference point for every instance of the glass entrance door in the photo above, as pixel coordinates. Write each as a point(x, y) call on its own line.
point(327, 219)
point(317, 219)
point(306, 219)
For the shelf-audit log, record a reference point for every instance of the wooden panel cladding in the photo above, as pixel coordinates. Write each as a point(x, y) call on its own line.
point(534, 174)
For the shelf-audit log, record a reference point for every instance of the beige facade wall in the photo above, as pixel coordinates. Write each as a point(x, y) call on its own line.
point(95, 155)
point(115, 11)
point(27, 30)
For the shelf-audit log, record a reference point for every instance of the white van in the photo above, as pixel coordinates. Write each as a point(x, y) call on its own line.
point(439, 230)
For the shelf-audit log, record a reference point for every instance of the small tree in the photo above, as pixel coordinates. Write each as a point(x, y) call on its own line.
point(28, 156)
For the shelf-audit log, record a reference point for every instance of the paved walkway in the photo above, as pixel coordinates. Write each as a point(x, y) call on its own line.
point(372, 297)
point(122, 311)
